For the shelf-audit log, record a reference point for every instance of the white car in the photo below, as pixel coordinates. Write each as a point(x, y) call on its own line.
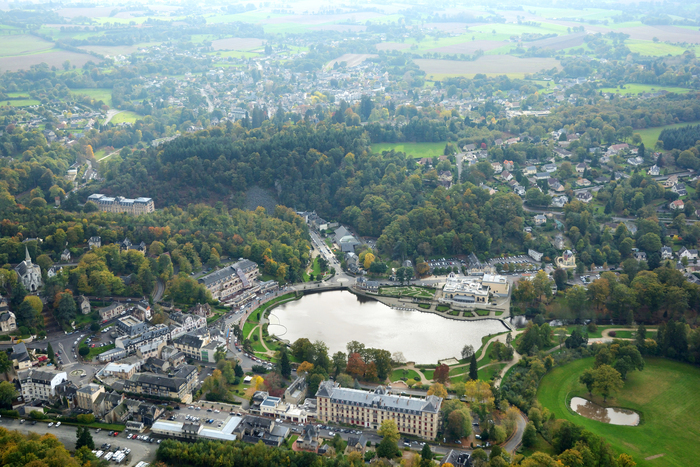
point(50, 424)
point(58, 424)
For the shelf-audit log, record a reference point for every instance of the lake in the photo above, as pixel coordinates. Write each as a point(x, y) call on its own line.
point(339, 317)
point(611, 415)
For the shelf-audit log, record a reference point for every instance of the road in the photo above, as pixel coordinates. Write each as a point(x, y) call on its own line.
point(140, 451)
point(512, 444)
point(158, 294)
point(210, 105)
point(111, 114)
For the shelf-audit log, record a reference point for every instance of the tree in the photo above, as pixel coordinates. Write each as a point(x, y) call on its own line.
point(220, 354)
point(304, 367)
point(426, 456)
point(8, 393)
point(442, 373)
point(51, 354)
point(473, 369)
point(587, 378)
point(84, 438)
point(560, 278)
point(467, 351)
point(369, 259)
point(285, 366)
point(530, 435)
point(389, 429)
point(5, 363)
point(387, 448)
point(356, 366)
point(607, 381)
point(437, 389)
point(83, 351)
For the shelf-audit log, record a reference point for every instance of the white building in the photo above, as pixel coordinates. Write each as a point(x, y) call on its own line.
point(29, 273)
point(40, 384)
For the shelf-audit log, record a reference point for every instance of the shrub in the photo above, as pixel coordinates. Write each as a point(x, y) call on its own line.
point(37, 415)
point(612, 333)
point(83, 350)
point(86, 418)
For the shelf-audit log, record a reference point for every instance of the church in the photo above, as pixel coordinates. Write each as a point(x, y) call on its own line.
point(29, 273)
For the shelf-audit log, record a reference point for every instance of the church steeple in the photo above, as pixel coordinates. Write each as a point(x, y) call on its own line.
point(27, 258)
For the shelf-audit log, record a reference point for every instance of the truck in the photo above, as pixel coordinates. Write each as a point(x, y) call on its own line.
point(108, 456)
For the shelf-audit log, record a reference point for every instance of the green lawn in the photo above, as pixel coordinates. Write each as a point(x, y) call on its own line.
point(637, 88)
point(651, 135)
point(486, 374)
point(416, 150)
point(483, 312)
point(126, 117)
point(409, 291)
point(398, 374)
point(666, 395)
point(95, 351)
point(103, 94)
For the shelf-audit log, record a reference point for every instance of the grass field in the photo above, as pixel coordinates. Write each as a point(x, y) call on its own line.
point(655, 49)
point(415, 150)
point(486, 374)
point(666, 395)
point(637, 88)
point(103, 94)
point(651, 135)
point(490, 65)
point(21, 44)
point(126, 117)
point(398, 374)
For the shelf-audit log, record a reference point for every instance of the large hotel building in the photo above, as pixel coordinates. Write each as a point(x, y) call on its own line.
point(413, 415)
point(120, 204)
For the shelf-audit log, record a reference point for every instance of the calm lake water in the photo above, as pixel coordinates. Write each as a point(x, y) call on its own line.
point(339, 317)
point(611, 415)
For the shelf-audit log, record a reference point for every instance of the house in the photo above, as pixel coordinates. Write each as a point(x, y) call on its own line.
point(507, 176)
point(357, 444)
point(254, 429)
point(536, 255)
point(616, 148)
point(457, 459)
point(445, 178)
point(550, 168)
point(670, 181)
point(497, 167)
point(334, 402)
point(111, 311)
point(84, 305)
point(566, 261)
point(183, 323)
point(540, 219)
point(40, 384)
point(677, 205)
point(583, 182)
point(689, 254)
point(54, 271)
point(203, 310)
point(65, 256)
point(679, 188)
point(541, 176)
point(654, 170)
point(8, 321)
point(519, 190)
point(308, 441)
point(197, 345)
point(20, 357)
point(580, 168)
point(530, 170)
point(366, 285)
point(29, 273)
point(640, 256)
point(584, 197)
point(88, 395)
point(635, 161)
point(95, 242)
point(296, 392)
point(508, 165)
point(559, 201)
point(666, 252)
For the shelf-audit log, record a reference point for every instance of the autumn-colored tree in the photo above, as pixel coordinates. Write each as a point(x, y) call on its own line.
point(442, 373)
point(437, 389)
point(356, 366)
point(35, 303)
point(389, 429)
point(369, 259)
point(304, 367)
point(371, 371)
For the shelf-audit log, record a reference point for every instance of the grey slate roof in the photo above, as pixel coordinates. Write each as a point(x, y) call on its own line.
point(379, 398)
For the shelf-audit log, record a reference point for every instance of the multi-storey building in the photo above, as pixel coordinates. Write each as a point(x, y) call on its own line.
point(182, 323)
point(134, 207)
point(88, 395)
point(414, 416)
point(111, 311)
point(230, 280)
point(40, 384)
point(178, 386)
point(197, 345)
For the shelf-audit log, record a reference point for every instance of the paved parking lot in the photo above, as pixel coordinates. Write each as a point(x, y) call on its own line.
point(203, 414)
point(140, 451)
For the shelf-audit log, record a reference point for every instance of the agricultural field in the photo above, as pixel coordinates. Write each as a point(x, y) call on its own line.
point(415, 150)
point(237, 43)
point(644, 88)
point(113, 50)
point(490, 65)
point(665, 394)
point(23, 44)
point(52, 57)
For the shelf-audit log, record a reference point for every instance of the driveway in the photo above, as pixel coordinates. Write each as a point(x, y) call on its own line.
point(512, 444)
